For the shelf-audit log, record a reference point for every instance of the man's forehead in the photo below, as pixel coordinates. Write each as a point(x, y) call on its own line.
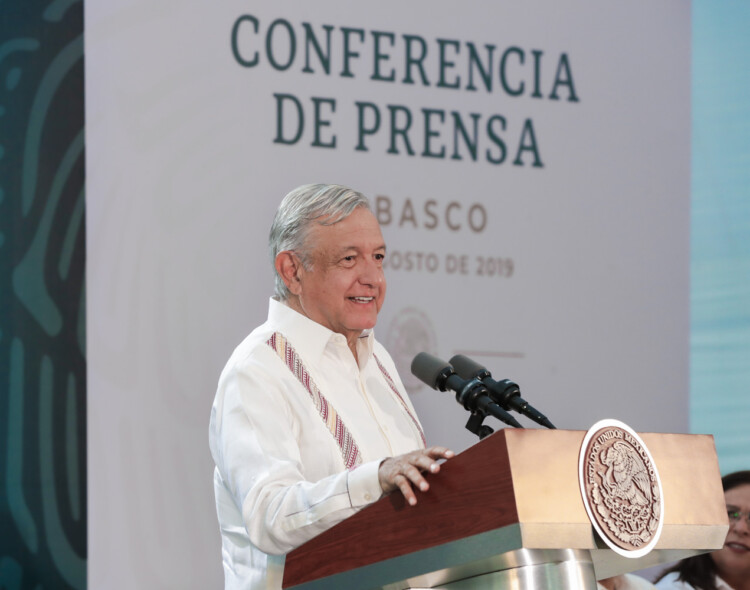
point(347, 234)
point(342, 246)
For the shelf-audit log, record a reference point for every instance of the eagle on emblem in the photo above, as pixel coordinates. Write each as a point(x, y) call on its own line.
point(626, 476)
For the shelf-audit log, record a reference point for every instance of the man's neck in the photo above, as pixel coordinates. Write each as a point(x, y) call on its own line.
point(351, 340)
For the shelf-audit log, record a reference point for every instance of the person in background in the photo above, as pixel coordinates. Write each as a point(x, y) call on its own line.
point(729, 567)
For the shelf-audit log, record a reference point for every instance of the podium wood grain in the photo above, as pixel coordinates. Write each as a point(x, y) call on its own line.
point(390, 527)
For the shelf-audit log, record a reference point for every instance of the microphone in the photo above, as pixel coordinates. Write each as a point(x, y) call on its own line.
point(472, 394)
point(506, 393)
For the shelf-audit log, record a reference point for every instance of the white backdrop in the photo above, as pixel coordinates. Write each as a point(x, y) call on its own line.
point(563, 267)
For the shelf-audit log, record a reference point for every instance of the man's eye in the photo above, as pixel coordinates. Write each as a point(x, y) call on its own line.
point(380, 257)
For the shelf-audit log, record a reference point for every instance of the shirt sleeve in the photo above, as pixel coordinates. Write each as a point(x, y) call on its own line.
point(254, 441)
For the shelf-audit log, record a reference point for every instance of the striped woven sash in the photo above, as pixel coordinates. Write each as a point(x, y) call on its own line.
point(393, 387)
point(344, 439)
point(348, 446)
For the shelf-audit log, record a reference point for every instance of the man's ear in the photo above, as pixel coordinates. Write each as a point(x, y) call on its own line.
point(288, 266)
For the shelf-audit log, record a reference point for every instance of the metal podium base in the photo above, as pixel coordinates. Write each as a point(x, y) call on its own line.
point(528, 569)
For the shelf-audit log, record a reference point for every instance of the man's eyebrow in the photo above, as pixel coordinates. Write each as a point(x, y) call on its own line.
point(358, 249)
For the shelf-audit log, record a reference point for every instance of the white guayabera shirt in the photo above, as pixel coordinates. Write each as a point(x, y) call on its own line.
point(281, 476)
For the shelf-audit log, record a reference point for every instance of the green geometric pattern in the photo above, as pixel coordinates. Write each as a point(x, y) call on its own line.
point(42, 296)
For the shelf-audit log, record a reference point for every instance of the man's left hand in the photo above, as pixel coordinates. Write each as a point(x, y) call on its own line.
point(403, 471)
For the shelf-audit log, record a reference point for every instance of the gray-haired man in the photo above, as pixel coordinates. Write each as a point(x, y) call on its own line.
point(311, 421)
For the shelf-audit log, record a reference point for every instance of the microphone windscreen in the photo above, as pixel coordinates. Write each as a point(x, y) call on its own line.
point(427, 368)
point(465, 367)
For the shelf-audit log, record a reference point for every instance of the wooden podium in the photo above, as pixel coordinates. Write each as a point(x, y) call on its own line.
point(508, 512)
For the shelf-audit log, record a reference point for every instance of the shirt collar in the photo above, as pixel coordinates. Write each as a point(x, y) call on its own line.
point(364, 347)
point(310, 338)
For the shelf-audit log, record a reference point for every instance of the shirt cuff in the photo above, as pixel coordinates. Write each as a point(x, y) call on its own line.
point(364, 484)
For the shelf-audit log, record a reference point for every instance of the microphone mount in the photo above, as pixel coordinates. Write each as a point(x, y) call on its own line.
point(474, 397)
point(504, 392)
point(472, 394)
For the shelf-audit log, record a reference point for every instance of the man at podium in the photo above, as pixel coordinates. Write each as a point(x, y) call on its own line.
point(311, 421)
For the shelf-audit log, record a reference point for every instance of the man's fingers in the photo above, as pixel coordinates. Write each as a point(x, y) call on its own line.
point(415, 475)
point(439, 452)
point(425, 463)
point(403, 485)
point(427, 460)
point(406, 470)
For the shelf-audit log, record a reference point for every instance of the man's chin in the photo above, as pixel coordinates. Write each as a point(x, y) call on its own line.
point(365, 323)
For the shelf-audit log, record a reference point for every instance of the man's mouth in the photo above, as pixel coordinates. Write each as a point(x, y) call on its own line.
point(362, 299)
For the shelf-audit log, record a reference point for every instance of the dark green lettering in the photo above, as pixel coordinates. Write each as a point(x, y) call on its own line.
point(503, 79)
point(537, 73)
point(235, 48)
point(471, 142)
point(269, 44)
point(564, 77)
point(279, 119)
point(361, 129)
point(402, 131)
point(496, 139)
point(475, 62)
point(527, 135)
point(311, 40)
point(319, 122)
point(429, 133)
point(418, 61)
point(447, 65)
point(379, 56)
point(348, 53)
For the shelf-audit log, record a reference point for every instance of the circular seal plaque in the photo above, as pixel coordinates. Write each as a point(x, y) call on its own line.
point(621, 488)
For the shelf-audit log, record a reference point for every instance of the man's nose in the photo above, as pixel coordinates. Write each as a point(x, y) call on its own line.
point(371, 273)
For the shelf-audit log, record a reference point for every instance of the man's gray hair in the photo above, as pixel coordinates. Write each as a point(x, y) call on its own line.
point(325, 204)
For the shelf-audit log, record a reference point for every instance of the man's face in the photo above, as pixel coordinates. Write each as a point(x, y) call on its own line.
point(345, 287)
